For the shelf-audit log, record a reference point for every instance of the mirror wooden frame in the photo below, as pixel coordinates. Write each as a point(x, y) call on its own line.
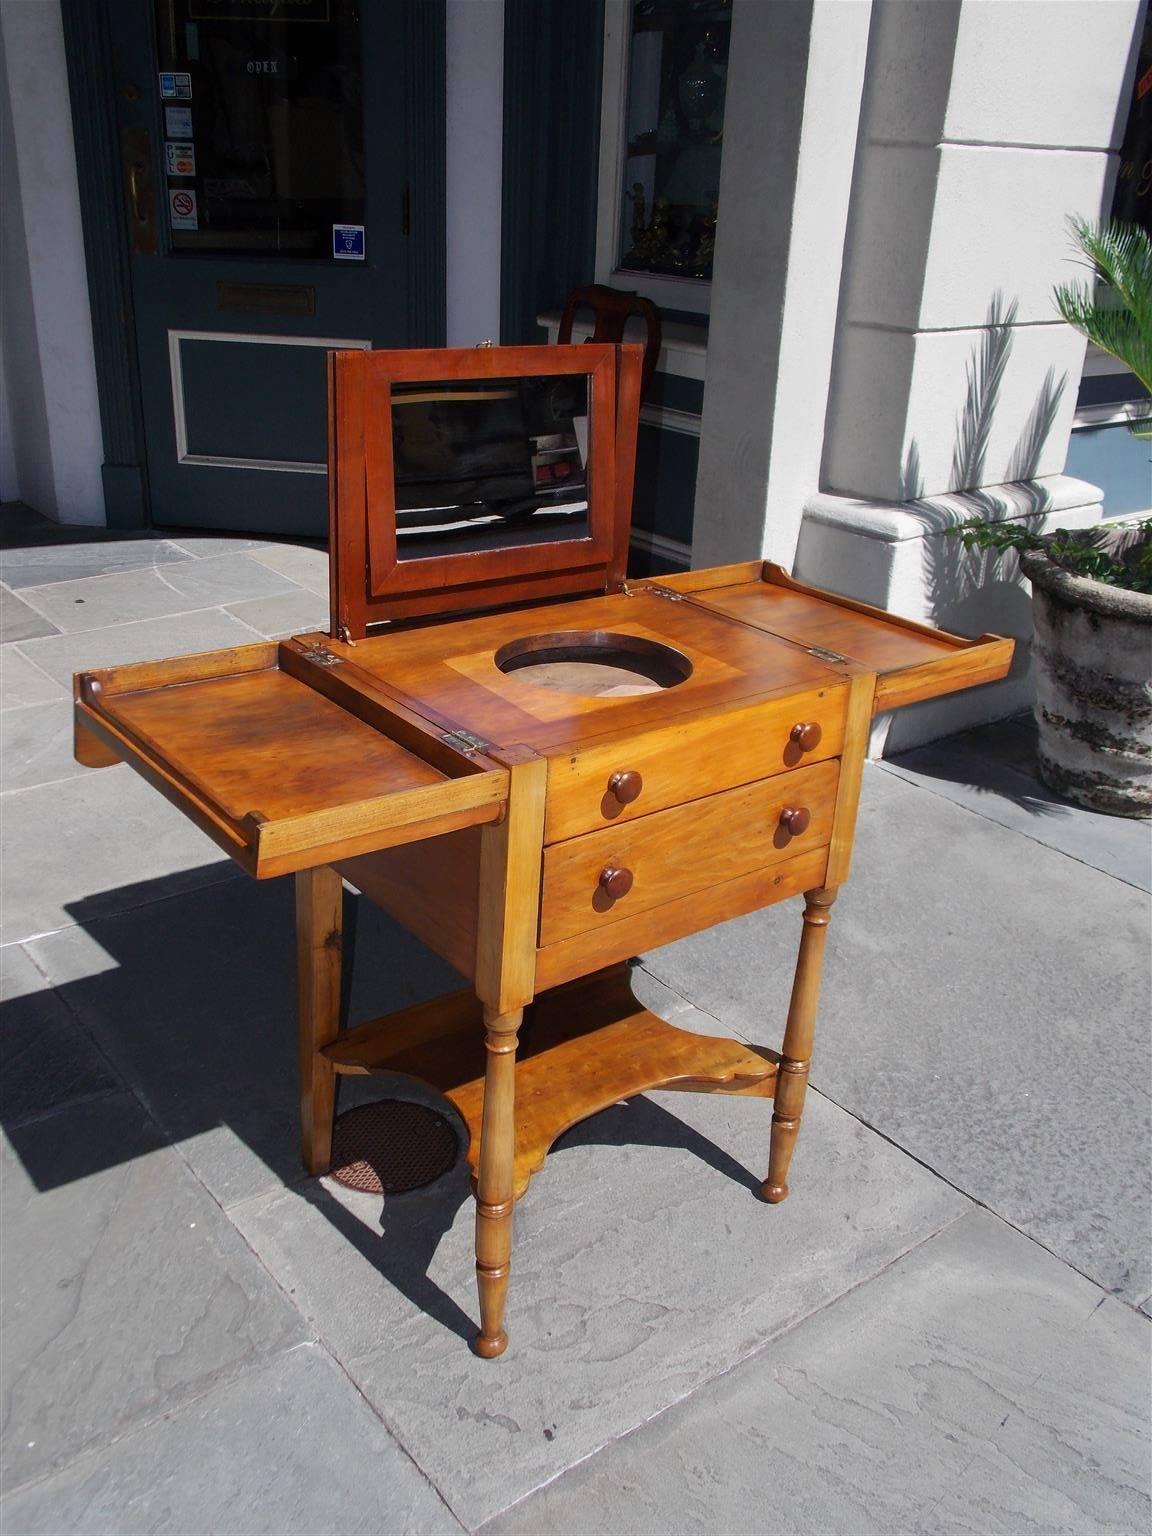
point(370, 584)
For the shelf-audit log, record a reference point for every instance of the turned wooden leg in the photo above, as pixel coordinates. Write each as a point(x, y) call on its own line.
point(319, 937)
point(792, 1080)
point(494, 1183)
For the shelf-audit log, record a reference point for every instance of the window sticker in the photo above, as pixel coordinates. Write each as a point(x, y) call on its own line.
point(181, 159)
point(348, 242)
point(176, 87)
point(178, 122)
point(182, 209)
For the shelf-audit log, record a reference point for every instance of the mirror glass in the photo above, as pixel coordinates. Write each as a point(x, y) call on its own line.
point(484, 464)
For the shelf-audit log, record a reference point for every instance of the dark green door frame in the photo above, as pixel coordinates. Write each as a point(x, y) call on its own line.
point(92, 86)
point(553, 67)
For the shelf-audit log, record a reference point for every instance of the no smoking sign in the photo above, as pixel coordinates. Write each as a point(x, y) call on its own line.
point(182, 210)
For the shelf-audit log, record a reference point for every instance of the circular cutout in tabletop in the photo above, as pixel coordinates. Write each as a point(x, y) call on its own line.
point(391, 1146)
point(595, 662)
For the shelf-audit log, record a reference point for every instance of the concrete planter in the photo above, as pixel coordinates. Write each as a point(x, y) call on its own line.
point(1093, 660)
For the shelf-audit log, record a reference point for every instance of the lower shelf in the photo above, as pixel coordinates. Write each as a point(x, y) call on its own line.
point(583, 1047)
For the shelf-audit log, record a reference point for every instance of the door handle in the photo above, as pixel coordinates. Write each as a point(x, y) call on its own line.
point(139, 209)
point(136, 151)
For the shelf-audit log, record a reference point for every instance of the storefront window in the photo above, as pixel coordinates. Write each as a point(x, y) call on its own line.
point(1133, 199)
point(677, 78)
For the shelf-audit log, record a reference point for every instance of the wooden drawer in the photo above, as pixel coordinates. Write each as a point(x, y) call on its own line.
point(587, 952)
point(689, 848)
point(689, 758)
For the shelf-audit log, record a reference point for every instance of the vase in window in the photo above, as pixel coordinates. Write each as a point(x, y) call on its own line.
point(699, 89)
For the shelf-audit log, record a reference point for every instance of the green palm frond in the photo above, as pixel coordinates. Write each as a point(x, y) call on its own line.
point(1115, 311)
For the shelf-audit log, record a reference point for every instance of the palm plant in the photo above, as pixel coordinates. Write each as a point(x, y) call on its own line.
point(1115, 310)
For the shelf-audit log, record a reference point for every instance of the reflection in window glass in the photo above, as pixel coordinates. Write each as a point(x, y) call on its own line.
point(489, 464)
point(677, 80)
point(268, 151)
point(1133, 198)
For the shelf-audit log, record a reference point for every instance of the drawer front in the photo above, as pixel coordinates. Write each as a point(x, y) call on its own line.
point(603, 877)
point(586, 952)
point(690, 758)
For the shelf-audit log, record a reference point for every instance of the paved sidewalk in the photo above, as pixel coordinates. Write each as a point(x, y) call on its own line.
point(944, 1329)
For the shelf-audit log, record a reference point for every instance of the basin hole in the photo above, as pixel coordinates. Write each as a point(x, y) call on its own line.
point(596, 663)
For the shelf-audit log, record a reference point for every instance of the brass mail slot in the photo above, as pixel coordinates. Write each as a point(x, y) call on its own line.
point(267, 298)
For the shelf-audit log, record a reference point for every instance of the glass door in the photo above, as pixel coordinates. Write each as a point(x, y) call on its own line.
point(266, 192)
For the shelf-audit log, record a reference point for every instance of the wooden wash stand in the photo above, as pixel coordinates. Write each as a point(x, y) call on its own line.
point(478, 778)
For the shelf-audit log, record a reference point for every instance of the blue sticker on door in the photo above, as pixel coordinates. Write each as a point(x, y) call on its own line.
point(348, 242)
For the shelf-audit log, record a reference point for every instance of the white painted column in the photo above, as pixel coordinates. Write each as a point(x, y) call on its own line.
point(791, 116)
point(474, 170)
point(56, 447)
point(984, 126)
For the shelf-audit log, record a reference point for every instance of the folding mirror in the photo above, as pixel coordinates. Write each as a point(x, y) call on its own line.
point(461, 479)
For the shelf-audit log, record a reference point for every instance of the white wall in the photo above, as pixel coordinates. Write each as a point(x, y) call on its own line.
point(48, 365)
point(475, 143)
point(984, 127)
point(790, 125)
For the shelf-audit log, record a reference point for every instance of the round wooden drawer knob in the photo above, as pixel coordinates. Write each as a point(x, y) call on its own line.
point(796, 819)
point(807, 734)
point(626, 786)
point(615, 880)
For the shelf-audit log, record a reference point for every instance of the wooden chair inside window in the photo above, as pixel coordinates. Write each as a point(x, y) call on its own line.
point(612, 309)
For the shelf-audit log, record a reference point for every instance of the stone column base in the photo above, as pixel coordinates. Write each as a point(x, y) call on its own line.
point(896, 555)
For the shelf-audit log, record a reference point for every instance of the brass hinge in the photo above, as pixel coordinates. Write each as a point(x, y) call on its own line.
point(649, 591)
point(321, 655)
point(821, 654)
point(466, 742)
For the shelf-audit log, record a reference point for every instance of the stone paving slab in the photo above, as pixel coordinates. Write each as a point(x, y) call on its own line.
point(986, 1005)
point(98, 602)
point(194, 1000)
point(20, 621)
point(138, 640)
point(299, 562)
point(231, 578)
point(293, 612)
point(84, 848)
point(35, 565)
point(205, 545)
point(289, 1449)
point(977, 1385)
point(126, 1290)
point(22, 682)
point(992, 771)
point(36, 745)
point(46, 1059)
point(644, 1264)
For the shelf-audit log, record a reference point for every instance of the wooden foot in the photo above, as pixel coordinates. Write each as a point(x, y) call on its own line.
point(792, 1078)
point(495, 1197)
point(319, 931)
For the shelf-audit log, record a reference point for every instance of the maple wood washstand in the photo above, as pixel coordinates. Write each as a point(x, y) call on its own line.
point(574, 771)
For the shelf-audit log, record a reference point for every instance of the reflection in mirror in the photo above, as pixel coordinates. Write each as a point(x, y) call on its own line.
point(489, 464)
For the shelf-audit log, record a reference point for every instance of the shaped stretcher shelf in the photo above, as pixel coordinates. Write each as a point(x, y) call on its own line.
point(282, 777)
point(590, 1036)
